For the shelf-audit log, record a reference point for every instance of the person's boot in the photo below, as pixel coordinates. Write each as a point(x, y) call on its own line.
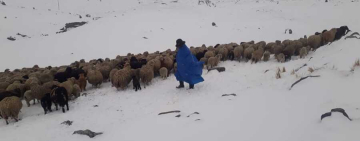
point(191, 86)
point(181, 85)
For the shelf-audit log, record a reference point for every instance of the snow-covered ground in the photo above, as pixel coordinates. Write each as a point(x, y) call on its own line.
point(264, 108)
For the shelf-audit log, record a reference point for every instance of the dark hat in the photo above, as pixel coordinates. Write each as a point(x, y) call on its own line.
point(179, 43)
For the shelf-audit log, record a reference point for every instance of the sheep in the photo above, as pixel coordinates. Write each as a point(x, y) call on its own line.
point(68, 85)
point(5, 94)
point(10, 107)
point(46, 103)
point(59, 96)
point(76, 90)
point(328, 36)
point(167, 62)
point(231, 55)
point(210, 48)
point(304, 41)
point(48, 85)
point(289, 51)
point(314, 41)
point(4, 85)
point(342, 31)
point(46, 76)
point(95, 77)
point(213, 61)
point(297, 46)
point(82, 82)
point(238, 52)
point(277, 49)
point(281, 58)
point(257, 55)
point(286, 42)
point(147, 73)
point(266, 56)
point(17, 87)
point(204, 60)
point(163, 72)
point(63, 76)
point(269, 46)
point(303, 52)
point(224, 53)
point(157, 65)
point(35, 93)
point(261, 44)
point(136, 83)
point(200, 54)
point(193, 50)
point(209, 54)
point(76, 72)
point(122, 77)
point(248, 53)
point(112, 72)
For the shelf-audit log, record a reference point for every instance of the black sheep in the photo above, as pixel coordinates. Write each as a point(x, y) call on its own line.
point(26, 77)
point(60, 97)
point(340, 32)
point(136, 83)
point(134, 63)
point(46, 103)
point(200, 55)
point(63, 76)
point(231, 55)
point(10, 93)
point(76, 73)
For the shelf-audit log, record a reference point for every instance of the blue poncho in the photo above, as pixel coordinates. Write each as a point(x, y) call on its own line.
point(189, 69)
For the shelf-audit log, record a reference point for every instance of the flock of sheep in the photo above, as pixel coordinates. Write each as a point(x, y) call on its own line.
point(60, 84)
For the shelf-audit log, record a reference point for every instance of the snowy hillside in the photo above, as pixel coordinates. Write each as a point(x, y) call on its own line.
point(263, 109)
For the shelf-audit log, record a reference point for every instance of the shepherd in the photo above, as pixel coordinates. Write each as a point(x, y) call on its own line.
point(189, 69)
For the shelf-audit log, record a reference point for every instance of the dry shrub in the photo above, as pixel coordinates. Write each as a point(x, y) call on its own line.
point(311, 70)
point(278, 76)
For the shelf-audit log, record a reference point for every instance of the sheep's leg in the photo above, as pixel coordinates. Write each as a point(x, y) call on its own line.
point(67, 105)
point(63, 109)
point(56, 106)
point(6, 122)
point(34, 102)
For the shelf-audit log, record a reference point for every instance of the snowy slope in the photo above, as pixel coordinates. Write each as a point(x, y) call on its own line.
point(264, 108)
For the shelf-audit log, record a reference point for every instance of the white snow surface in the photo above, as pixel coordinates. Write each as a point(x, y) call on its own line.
point(264, 108)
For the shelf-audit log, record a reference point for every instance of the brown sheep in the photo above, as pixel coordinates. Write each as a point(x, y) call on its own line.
point(286, 42)
point(4, 85)
point(105, 69)
point(76, 90)
point(17, 85)
point(257, 55)
point(314, 41)
point(266, 56)
point(289, 51)
point(281, 58)
point(269, 46)
point(303, 52)
point(10, 107)
point(224, 53)
point(82, 82)
point(213, 61)
point(304, 41)
point(35, 93)
point(277, 49)
point(261, 44)
point(167, 62)
point(163, 72)
point(157, 65)
point(248, 53)
point(122, 77)
point(205, 60)
point(68, 85)
point(297, 46)
point(209, 54)
point(238, 52)
point(112, 72)
point(94, 77)
point(147, 73)
point(328, 36)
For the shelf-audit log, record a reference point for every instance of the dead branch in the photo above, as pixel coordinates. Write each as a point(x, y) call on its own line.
point(175, 111)
point(302, 79)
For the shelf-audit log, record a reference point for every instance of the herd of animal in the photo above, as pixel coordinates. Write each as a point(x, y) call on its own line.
point(58, 85)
